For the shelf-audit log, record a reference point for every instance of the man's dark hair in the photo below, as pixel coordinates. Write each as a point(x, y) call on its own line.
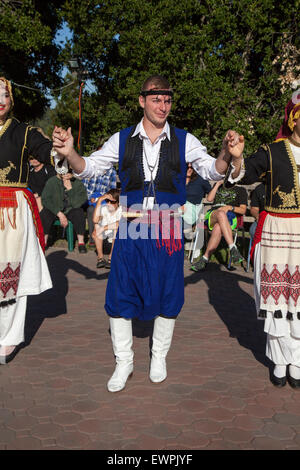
point(115, 194)
point(158, 82)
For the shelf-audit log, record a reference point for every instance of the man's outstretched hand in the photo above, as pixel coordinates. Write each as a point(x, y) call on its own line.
point(63, 141)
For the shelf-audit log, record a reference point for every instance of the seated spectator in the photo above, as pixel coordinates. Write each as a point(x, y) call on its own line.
point(96, 187)
point(106, 218)
point(39, 174)
point(221, 220)
point(196, 189)
point(63, 197)
point(257, 204)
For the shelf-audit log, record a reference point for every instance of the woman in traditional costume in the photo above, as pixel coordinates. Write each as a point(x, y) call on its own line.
point(276, 248)
point(23, 267)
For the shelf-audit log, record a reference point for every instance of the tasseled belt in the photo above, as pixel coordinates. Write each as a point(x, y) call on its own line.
point(167, 223)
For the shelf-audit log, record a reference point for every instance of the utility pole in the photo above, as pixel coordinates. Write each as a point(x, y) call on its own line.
point(81, 75)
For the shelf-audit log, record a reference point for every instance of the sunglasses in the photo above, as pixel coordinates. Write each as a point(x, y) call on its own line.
point(110, 201)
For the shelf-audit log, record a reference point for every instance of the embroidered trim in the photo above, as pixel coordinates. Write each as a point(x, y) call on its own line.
point(275, 284)
point(280, 239)
point(271, 172)
point(288, 199)
point(22, 155)
point(5, 127)
point(282, 233)
point(15, 185)
point(9, 279)
point(295, 171)
point(4, 172)
point(282, 211)
point(280, 246)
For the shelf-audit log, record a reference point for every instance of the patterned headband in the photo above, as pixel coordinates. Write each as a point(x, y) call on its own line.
point(156, 92)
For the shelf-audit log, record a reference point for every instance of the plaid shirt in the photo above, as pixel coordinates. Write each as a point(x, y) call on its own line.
point(102, 183)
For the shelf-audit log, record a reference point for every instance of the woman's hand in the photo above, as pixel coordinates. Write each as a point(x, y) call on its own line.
point(63, 219)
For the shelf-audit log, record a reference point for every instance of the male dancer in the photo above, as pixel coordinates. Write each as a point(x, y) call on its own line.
point(146, 278)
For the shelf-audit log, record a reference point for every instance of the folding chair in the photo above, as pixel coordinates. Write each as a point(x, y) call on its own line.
point(70, 233)
point(198, 239)
point(239, 227)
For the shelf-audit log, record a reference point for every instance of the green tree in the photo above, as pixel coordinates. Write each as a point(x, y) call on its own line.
point(224, 59)
point(28, 53)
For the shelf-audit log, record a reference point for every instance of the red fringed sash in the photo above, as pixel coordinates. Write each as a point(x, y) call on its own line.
point(36, 216)
point(170, 229)
point(8, 199)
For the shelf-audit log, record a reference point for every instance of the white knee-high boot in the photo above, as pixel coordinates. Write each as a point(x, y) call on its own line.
point(121, 336)
point(161, 342)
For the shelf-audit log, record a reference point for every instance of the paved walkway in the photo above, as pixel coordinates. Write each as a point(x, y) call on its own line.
point(217, 394)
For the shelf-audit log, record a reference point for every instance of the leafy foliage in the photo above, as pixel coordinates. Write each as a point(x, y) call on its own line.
point(231, 62)
point(28, 53)
point(223, 58)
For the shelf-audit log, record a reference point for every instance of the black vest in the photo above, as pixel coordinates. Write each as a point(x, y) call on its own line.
point(275, 165)
point(170, 177)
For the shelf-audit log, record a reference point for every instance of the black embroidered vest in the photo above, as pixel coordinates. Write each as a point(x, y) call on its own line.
point(275, 165)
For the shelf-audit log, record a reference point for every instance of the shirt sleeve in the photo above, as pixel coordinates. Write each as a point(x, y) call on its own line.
point(258, 197)
point(206, 187)
point(202, 162)
point(102, 160)
point(241, 196)
point(256, 166)
point(39, 146)
point(240, 176)
point(254, 199)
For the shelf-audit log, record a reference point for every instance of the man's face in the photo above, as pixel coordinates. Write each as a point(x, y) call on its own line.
point(34, 162)
point(156, 108)
point(5, 101)
point(112, 206)
point(67, 176)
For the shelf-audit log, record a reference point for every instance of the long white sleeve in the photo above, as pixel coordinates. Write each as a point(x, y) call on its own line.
point(102, 160)
point(202, 162)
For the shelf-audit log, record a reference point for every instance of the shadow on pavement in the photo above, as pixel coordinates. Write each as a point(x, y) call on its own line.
point(52, 303)
point(235, 307)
